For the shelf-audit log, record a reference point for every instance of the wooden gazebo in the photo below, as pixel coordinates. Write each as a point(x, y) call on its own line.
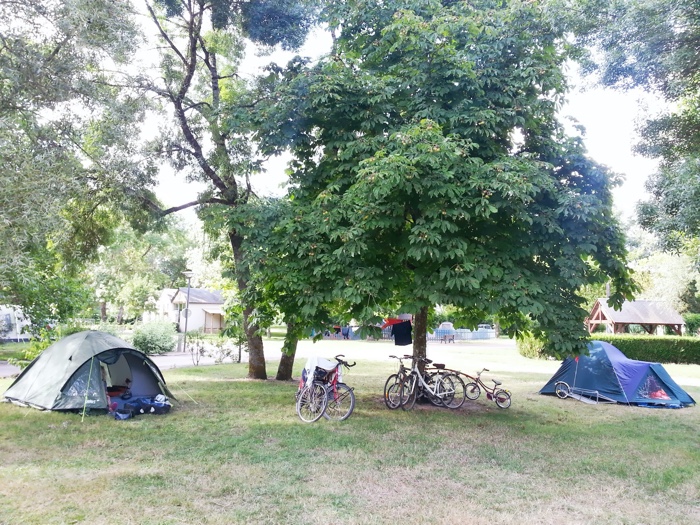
point(647, 314)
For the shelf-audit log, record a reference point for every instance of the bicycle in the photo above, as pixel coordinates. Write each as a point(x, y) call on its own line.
point(499, 395)
point(341, 397)
point(312, 399)
point(443, 389)
point(392, 387)
point(324, 394)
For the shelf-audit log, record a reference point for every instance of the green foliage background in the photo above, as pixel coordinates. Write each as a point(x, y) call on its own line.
point(154, 338)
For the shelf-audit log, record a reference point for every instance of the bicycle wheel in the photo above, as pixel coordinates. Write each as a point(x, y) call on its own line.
point(341, 403)
point(434, 382)
point(312, 402)
point(502, 398)
point(454, 391)
point(392, 392)
point(409, 391)
point(393, 399)
point(561, 389)
point(472, 390)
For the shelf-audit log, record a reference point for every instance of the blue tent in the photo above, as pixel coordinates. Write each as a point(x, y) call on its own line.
point(606, 375)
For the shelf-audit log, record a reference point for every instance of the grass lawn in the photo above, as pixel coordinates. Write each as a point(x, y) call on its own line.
point(234, 451)
point(12, 350)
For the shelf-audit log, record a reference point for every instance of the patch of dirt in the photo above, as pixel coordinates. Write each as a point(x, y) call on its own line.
point(469, 407)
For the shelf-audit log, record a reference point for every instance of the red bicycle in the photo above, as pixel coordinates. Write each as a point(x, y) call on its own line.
point(324, 393)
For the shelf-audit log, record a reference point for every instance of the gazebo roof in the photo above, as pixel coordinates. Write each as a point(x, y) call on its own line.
point(647, 314)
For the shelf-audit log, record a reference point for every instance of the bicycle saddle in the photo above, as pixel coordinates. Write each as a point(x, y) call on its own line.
point(497, 382)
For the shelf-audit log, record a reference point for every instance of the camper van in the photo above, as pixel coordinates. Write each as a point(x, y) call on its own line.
point(13, 324)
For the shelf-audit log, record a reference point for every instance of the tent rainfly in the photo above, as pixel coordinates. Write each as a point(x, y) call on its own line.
point(606, 375)
point(78, 371)
point(647, 314)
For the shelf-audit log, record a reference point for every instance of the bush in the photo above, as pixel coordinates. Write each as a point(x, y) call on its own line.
point(154, 338)
point(531, 347)
point(39, 342)
point(657, 349)
point(692, 323)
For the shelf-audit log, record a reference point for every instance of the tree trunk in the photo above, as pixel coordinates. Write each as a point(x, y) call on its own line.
point(120, 315)
point(289, 350)
point(103, 311)
point(420, 331)
point(256, 353)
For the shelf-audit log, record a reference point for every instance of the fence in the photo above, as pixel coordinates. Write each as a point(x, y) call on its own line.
point(437, 334)
point(459, 335)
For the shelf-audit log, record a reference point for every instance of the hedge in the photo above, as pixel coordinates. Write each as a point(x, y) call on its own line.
point(657, 349)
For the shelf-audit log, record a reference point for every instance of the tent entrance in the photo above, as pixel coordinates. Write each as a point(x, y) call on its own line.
point(652, 391)
point(109, 373)
point(85, 389)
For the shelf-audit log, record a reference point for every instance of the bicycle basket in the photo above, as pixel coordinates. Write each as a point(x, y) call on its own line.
point(320, 374)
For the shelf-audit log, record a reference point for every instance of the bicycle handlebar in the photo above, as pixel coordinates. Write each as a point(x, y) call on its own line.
point(424, 359)
point(344, 363)
point(402, 357)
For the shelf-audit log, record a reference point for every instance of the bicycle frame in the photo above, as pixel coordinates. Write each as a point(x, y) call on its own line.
point(404, 370)
point(499, 395)
point(415, 378)
point(394, 384)
point(334, 377)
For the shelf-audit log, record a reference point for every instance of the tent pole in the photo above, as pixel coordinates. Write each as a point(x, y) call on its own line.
point(92, 360)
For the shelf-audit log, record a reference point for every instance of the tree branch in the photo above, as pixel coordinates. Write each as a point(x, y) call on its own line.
point(211, 200)
point(162, 32)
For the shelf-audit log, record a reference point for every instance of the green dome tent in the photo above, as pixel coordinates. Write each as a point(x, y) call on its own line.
point(76, 372)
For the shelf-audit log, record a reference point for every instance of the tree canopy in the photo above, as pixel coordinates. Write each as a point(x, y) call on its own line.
point(652, 44)
point(67, 167)
point(429, 168)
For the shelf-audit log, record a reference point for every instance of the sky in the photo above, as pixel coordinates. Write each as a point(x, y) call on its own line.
point(609, 117)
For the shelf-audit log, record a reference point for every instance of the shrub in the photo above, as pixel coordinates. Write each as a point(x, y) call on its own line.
point(39, 342)
point(154, 338)
point(657, 349)
point(692, 323)
point(531, 347)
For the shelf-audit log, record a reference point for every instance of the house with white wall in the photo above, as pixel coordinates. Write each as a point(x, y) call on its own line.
point(205, 306)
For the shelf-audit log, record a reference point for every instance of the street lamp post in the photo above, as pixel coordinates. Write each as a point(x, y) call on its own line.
point(188, 274)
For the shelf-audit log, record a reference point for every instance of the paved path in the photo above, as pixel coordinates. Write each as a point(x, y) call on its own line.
point(468, 356)
point(353, 350)
point(7, 370)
